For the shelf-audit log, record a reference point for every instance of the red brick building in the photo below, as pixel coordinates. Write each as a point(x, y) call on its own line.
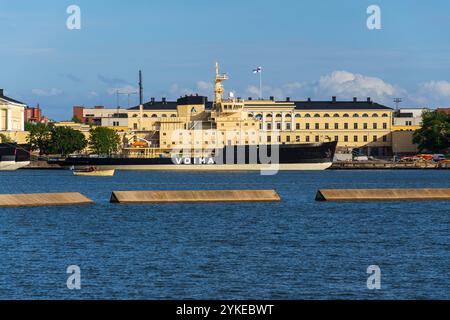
point(444, 110)
point(34, 115)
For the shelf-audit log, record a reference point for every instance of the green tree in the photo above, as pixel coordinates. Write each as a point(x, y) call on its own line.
point(65, 140)
point(4, 138)
point(76, 119)
point(39, 137)
point(434, 136)
point(104, 141)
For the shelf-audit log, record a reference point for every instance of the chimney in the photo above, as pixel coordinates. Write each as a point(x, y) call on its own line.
point(250, 98)
point(355, 99)
point(1, 92)
point(334, 99)
point(309, 99)
point(164, 100)
point(153, 100)
point(271, 98)
point(369, 100)
point(288, 99)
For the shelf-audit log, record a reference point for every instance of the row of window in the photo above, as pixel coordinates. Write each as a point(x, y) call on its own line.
point(326, 115)
point(156, 116)
point(336, 138)
point(326, 126)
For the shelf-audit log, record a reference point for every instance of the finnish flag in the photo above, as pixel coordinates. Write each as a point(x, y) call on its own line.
point(257, 70)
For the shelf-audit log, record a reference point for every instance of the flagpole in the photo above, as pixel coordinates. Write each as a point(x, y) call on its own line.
point(260, 85)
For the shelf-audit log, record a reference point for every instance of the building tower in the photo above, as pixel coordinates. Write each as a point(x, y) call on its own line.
point(218, 88)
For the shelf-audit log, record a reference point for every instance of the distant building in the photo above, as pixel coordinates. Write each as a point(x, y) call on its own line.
point(363, 125)
point(408, 119)
point(94, 115)
point(34, 115)
point(406, 122)
point(444, 110)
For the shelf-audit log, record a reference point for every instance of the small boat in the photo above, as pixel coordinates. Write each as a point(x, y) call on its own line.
point(93, 172)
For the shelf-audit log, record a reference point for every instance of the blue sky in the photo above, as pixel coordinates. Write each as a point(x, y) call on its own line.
point(306, 48)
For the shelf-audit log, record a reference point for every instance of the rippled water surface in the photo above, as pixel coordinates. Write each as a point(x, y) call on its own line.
point(296, 249)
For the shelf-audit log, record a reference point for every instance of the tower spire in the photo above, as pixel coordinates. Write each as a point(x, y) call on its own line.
point(218, 88)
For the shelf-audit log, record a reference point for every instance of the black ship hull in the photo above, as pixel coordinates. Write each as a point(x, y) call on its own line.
point(231, 158)
point(14, 156)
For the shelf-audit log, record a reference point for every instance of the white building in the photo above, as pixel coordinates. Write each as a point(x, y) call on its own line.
point(11, 114)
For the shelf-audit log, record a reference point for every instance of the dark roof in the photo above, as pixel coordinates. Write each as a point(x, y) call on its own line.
point(2, 96)
point(189, 100)
point(172, 105)
point(158, 105)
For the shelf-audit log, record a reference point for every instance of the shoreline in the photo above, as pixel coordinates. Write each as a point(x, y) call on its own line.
point(344, 165)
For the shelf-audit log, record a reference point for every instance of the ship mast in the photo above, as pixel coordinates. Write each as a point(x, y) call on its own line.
point(218, 88)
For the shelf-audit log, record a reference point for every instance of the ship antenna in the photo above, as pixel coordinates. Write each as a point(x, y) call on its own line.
point(141, 89)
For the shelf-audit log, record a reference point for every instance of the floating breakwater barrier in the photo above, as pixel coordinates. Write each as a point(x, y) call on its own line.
point(382, 194)
point(43, 199)
point(194, 196)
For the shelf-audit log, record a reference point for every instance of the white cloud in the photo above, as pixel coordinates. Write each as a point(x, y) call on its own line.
point(432, 93)
point(343, 84)
point(439, 88)
point(47, 92)
point(347, 84)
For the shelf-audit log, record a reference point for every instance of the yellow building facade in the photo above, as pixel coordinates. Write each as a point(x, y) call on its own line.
point(12, 120)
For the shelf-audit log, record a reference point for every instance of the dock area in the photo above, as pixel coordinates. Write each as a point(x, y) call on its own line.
point(194, 196)
point(43, 199)
point(383, 194)
point(385, 165)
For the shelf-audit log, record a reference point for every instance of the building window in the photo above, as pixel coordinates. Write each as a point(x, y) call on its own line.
point(317, 139)
point(336, 126)
point(288, 126)
point(279, 139)
point(365, 126)
point(327, 126)
point(297, 138)
point(307, 139)
point(269, 139)
point(269, 126)
point(336, 138)
point(385, 125)
point(317, 126)
point(297, 126)
point(355, 126)
point(345, 138)
point(346, 126)
point(365, 138)
point(375, 126)
point(278, 126)
point(355, 139)
point(307, 126)
point(135, 126)
point(384, 138)
point(375, 138)
point(288, 138)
